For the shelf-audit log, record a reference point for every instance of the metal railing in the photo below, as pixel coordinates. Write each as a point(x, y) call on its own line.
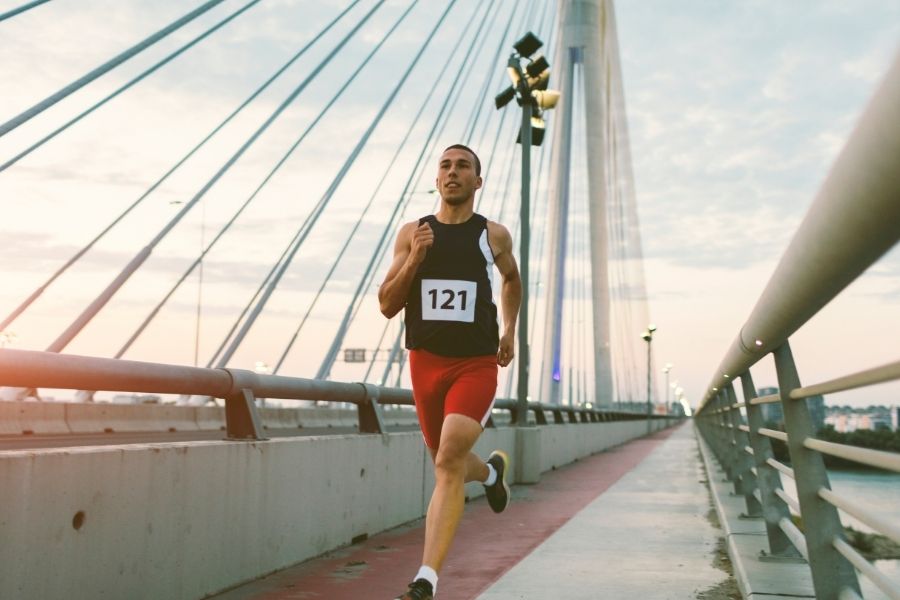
point(853, 221)
point(239, 389)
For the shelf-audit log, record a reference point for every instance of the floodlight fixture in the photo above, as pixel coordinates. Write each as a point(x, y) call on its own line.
point(504, 97)
point(537, 66)
point(540, 81)
point(528, 44)
point(545, 99)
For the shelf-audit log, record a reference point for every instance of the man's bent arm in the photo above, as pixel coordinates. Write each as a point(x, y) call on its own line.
point(395, 288)
point(510, 289)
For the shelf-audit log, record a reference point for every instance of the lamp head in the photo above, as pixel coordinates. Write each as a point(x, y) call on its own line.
point(528, 44)
point(539, 81)
point(537, 66)
point(504, 97)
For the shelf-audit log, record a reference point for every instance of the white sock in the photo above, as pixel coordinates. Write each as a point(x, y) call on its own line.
point(492, 475)
point(429, 575)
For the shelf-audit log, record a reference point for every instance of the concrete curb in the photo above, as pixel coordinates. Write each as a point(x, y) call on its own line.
point(746, 538)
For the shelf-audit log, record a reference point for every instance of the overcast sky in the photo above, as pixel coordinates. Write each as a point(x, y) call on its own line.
point(736, 112)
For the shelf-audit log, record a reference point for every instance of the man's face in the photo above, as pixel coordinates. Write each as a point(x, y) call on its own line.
point(456, 180)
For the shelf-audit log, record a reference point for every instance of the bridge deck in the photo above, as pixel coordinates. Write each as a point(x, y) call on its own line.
point(627, 523)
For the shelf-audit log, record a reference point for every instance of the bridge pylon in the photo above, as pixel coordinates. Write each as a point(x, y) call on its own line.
point(587, 50)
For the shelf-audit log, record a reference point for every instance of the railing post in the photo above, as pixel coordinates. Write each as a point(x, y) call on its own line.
point(768, 479)
point(745, 480)
point(557, 416)
point(724, 440)
point(831, 572)
point(369, 411)
point(706, 426)
point(242, 420)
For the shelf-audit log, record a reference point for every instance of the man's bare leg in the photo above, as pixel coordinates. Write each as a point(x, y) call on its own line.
point(476, 468)
point(454, 464)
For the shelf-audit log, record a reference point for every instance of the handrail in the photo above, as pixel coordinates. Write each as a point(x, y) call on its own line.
point(766, 399)
point(851, 508)
point(871, 458)
point(239, 388)
point(851, 223)
point(880, 374)
point(866, 568)
point(795, 535)
point(781, 467)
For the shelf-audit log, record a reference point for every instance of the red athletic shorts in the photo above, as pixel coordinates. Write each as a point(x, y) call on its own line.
point(444, 385)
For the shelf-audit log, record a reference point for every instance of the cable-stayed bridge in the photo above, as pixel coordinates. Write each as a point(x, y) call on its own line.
point(326, 184)
point(251, 257)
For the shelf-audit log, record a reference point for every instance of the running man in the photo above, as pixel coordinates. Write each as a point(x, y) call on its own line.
point(443, 275)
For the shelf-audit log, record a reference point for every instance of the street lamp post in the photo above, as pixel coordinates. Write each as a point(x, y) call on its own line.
point(666, 370)
point(648, 337)
point(529, 89)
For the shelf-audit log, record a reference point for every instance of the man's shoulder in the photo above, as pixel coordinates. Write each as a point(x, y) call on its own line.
point(497, 229)
point(409, 227)
point(498, 237)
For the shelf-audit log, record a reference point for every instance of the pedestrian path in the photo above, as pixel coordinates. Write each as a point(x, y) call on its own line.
point(627, 523)
point(647, 536)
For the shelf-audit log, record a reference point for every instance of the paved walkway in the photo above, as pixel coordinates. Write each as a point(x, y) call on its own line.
point(622, 524)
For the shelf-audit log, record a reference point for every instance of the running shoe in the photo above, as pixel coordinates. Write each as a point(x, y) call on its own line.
point(498, 493)
point(419, 589)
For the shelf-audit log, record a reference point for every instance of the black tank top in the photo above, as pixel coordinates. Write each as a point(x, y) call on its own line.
point(450, 309)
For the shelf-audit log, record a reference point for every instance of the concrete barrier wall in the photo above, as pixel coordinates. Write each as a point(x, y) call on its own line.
point(185, 520)
point(562, 444)
point(18, 418)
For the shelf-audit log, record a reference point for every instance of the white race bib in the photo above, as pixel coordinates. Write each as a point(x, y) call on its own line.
point(448, 300)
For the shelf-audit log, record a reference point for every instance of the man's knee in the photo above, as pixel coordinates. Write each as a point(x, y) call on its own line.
point(450, 461)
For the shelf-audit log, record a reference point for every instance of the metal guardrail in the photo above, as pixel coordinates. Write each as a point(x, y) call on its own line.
point(239, 389)
point(853, 221)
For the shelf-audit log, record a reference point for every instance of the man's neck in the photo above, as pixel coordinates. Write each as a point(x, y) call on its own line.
point(453, 215)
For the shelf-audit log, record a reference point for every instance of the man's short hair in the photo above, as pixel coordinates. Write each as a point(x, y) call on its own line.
point(470, 151)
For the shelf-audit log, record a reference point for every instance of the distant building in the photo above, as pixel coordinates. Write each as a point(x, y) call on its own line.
point(895, 418)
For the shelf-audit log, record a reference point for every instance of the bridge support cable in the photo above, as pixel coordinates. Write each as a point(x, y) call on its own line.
point(416, 174)
point(396, 351)
point(198, 262)
point(25, 7)
point(403, 195)
point(37, 293)
point(104, 68)
point(377, 349)
point(490, 76)
point(63, 340)
point(323, 202)
point(482, 105)
point(590, 69)
point(491, 158)
point(536, 280)
point(146, 73)
point(356, 304)
point(632, 312)
point(372, 198)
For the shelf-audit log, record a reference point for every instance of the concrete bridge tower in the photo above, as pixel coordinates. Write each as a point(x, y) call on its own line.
point(587, 49)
